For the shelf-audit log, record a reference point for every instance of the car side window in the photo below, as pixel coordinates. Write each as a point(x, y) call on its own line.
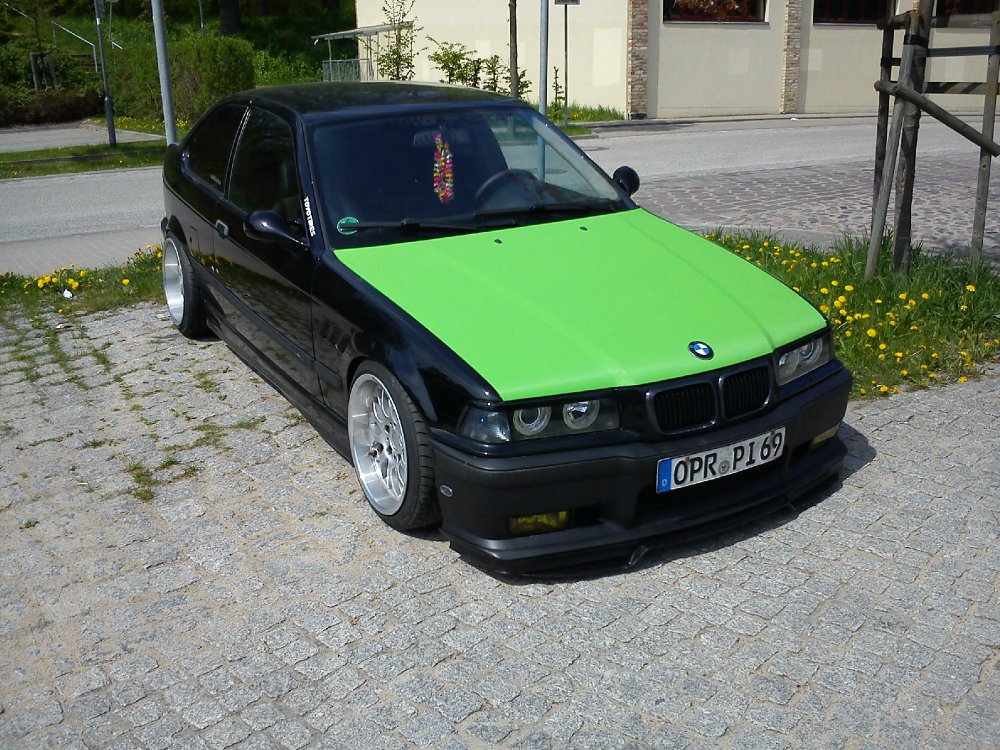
point(264, 175)
point(209, 146)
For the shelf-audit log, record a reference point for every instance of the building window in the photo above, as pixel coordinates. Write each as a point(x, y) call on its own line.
point(852, 11)
point(960, 7)
point(713, 10)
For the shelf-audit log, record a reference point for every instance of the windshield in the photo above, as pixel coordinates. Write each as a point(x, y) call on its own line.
point(412, 176)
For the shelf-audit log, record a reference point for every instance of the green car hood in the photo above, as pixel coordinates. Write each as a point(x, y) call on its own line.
point(579, 305)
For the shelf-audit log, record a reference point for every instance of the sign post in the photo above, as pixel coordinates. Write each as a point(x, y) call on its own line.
point(565, 4)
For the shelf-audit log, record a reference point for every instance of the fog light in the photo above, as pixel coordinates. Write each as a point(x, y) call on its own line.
point(539, 523)
point(824, 437)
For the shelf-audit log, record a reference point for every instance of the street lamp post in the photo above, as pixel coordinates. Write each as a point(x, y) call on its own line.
point(108, 109)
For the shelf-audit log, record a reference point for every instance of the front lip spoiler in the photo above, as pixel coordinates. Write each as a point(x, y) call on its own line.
point(611, 486)
point(624, 547)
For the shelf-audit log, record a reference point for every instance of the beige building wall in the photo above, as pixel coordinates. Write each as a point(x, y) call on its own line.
point(718, 68)
point(689, 68)
point(597, 41)
point(840, 64)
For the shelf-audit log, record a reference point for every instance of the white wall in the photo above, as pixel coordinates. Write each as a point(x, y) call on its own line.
point(718, 68)
point(597, 36)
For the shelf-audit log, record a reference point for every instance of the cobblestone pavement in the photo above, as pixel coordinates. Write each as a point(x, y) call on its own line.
point(820, 204)
point(185, 564)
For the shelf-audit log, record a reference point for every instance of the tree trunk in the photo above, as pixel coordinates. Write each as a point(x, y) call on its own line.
point(515, 78)
point(229, 17)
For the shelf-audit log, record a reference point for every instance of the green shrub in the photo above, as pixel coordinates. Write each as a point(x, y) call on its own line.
point(203, 71)
point(48, 106)
point(273, 70)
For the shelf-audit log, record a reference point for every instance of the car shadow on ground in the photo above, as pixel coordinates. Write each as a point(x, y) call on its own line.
point(859, 454)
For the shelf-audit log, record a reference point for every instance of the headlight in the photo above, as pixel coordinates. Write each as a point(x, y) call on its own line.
point(530, 422)
point(797, 361)
point(496, 425)
point(579, 415)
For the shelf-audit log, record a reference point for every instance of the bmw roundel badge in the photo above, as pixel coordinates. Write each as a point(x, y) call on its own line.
point(701, 350)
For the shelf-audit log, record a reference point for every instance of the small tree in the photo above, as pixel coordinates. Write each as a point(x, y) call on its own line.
point(395, 61)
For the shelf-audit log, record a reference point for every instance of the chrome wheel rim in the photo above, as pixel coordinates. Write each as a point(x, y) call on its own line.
point(173, 281)
point(378, 446)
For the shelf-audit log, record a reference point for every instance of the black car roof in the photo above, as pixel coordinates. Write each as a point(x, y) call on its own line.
point(325, 100)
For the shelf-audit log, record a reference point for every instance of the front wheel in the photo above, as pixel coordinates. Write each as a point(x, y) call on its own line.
point(391, 450)
point(181, 290)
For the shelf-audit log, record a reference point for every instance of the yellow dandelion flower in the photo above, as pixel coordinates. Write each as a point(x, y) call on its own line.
point(962, 379)
point(878, 302)
point(126, 282)
point(932, 375)
point(872, 333)
point(970, 287)
point(824, 308)
point(883, 389)
point(925, 295)
point(849, 288)
point(824, 290)
point(904, 373)
point(963, 308)
point(902, 295)
point(883, 346)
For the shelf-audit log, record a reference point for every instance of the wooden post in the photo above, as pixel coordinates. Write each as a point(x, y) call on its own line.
point(889, 168)
point(985, 158)
point(917, 32)
point(882, 134)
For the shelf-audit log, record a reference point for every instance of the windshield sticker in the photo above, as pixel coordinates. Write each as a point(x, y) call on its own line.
point(444, 171)
point(344, 225)
point(309, 217)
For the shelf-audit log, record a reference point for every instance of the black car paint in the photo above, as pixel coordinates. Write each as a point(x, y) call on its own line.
point(259, 290)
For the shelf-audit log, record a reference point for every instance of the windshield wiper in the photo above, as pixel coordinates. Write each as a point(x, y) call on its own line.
point(580, 207)
point(345, 226)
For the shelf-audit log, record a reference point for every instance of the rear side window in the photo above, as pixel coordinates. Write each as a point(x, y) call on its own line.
point(264, 174)
point(210, 144)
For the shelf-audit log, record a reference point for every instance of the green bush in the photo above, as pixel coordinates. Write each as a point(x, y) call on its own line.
point(203, 71)
point(274, 70)
point(20, 104)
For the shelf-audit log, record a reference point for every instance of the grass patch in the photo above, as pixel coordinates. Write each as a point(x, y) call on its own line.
point(940, 323)
point(81, 159)
point(144, 481)
point(69, 290)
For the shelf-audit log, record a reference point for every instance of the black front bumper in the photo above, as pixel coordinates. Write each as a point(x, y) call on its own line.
point(610, 490)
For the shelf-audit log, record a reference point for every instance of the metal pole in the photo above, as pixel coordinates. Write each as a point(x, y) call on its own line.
point(163, 65)
point(108, 109)
point(565, 65)
point(985, 158)
point(543, 59)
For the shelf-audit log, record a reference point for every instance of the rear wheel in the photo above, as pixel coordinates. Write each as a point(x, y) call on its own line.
point(391, 450)
point(181, 289)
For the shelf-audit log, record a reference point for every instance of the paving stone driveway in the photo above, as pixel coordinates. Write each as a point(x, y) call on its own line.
point(185, 564)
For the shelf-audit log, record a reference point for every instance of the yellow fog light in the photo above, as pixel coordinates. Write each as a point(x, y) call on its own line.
point(539, 523)
point(824, 437)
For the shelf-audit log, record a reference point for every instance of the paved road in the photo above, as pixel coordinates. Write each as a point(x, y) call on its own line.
point(807, 179)
point(186, 565)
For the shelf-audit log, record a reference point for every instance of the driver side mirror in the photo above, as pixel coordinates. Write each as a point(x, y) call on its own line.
point(627, 179)
point(271, 226)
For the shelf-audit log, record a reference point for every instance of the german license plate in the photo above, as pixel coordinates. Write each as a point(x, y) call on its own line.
point(684, 471)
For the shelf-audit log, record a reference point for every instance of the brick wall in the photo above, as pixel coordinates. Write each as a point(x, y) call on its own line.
point(791, 62)
point(636, 99)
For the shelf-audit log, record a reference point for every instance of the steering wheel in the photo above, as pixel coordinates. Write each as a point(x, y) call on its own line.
point(501, 179)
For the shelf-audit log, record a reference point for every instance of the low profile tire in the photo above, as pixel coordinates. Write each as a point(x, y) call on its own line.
point(391, 450)
point(181, 290)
